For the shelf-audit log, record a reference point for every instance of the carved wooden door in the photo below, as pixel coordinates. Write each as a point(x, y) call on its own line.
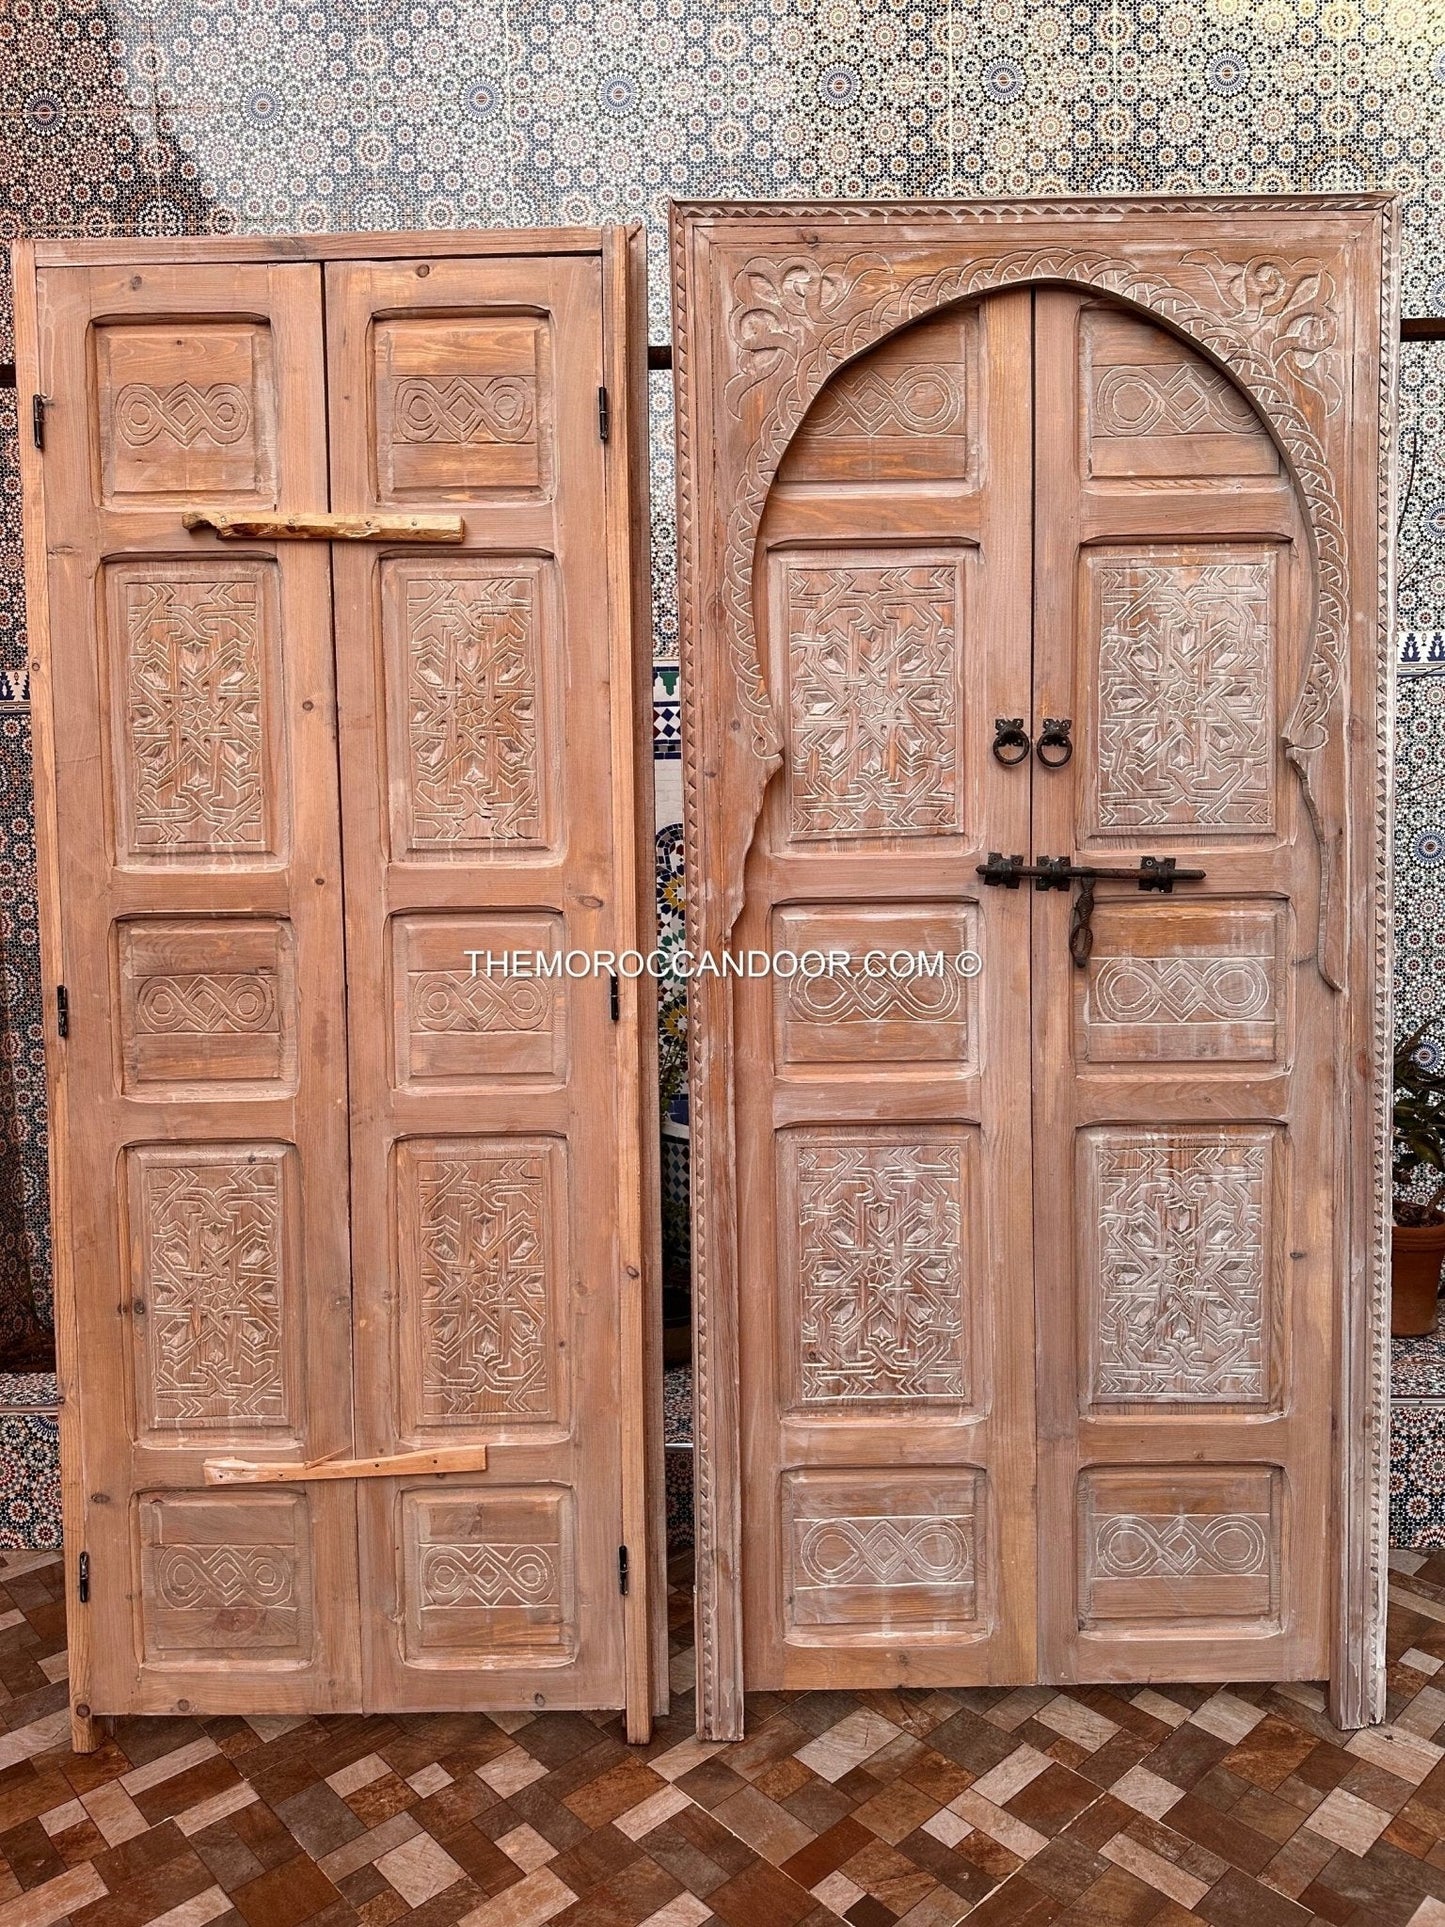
point(888, 1498)
point(484, 1135)
point(328, 1187)
point(1186, 1118)
point(1047, 1301)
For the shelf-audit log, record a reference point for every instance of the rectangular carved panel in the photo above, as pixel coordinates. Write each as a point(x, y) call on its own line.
point(488, 1576)
point(1185, 644)
point(469, 668)
point(874, 675)
point(1179, 1263)
point(876, 1553)
point(226, 1577)
point(874, 1280)
point(459, 1021)
point(214, 1288)
point(482, 1251)
point(866, 1011)
point(904, 416)
point(1180, 1544)
point(185, 408)
point(206, 1002)
point(1198, 983)
point(1156, 408)
point(195, 709)
point(459, 406)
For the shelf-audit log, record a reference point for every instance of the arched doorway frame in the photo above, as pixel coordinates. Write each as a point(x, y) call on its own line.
point(1294, 299)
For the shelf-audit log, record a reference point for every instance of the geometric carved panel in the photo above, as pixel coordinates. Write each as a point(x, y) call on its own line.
point(482, 1250)
point(460, 406)
point(212, 1287)
point(1179, 1543)
point(872, 1263)
point(185, 409)
point(875, 702)
point(194, 657)
point(467, 644)
point(899, 414)
point(206, 1001)
point(870, 1553)
point(226, 1576)
point(1178, 1263)
point(864, 1011)
point(456, 1023)
point(488, 1576)
point(1195, 983)
point(1186, 643)
point(1156, 408)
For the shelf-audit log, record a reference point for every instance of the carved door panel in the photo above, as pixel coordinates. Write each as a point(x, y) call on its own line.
point(477, 815)
point(1185, 1115)
point(883, 1119)
point(204, 1280)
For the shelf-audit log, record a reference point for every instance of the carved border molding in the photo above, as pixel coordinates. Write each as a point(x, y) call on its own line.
point(1271, 318)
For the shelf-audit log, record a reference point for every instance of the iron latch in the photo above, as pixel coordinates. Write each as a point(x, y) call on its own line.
point(1157, 873)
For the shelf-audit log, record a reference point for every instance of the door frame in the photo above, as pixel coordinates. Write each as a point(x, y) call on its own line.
point(1296, 298)
point(621, 252)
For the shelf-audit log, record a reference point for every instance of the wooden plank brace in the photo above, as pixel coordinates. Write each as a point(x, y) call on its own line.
point(393, 1465)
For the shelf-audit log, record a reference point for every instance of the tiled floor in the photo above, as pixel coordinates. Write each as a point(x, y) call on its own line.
point(1238, 1806)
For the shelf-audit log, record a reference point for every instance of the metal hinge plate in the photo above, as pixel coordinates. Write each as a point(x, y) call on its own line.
point(622, 1573)
point(604, 415)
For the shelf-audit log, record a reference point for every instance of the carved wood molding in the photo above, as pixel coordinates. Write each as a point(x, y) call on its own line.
point(791, 314)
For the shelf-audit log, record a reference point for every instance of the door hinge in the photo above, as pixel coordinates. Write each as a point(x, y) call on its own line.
point(38, 406)
point(62, 1011)
point(622, 1573)
point(604, 415)
point(82, 1579)
point(615, 1000)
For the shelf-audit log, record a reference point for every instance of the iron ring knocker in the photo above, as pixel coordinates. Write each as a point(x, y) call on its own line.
point(1010, 735)
point(1055, 736)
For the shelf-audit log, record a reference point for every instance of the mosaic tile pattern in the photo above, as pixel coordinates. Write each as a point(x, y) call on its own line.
point(168, 117)
point(1240, 1806)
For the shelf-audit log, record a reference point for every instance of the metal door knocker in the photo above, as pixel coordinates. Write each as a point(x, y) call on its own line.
point(1055, 745)
point(1010, 740)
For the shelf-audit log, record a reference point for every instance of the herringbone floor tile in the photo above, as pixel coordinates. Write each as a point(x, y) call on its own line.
point(1240, 1806)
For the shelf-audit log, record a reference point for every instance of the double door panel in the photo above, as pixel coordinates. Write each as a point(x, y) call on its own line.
point(1035, 1328)
point(324, 1190)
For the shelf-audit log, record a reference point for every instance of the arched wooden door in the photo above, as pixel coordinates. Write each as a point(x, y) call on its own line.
point(1040, 1298)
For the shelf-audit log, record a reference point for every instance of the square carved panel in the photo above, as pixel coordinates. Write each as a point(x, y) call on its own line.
point(482, 1249)
point(875, 1262)
point(470, 669)
point(1180, 1543)
point(872, 645)
point(878, 1008)
point(1187, 983)
point(488, 1576)
point(1156, 408)
point(461, 1015)
point(1185, 646)
point(206, 1003)
point(195, 711)
point(904, 413)
point(226, 1578)
point(462, 406)
point(1179, 1263)
point(876, 1554)
point(214, 1286)
point(185, 408)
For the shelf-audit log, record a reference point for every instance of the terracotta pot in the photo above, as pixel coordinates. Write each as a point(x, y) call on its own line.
point(1416, 1252)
